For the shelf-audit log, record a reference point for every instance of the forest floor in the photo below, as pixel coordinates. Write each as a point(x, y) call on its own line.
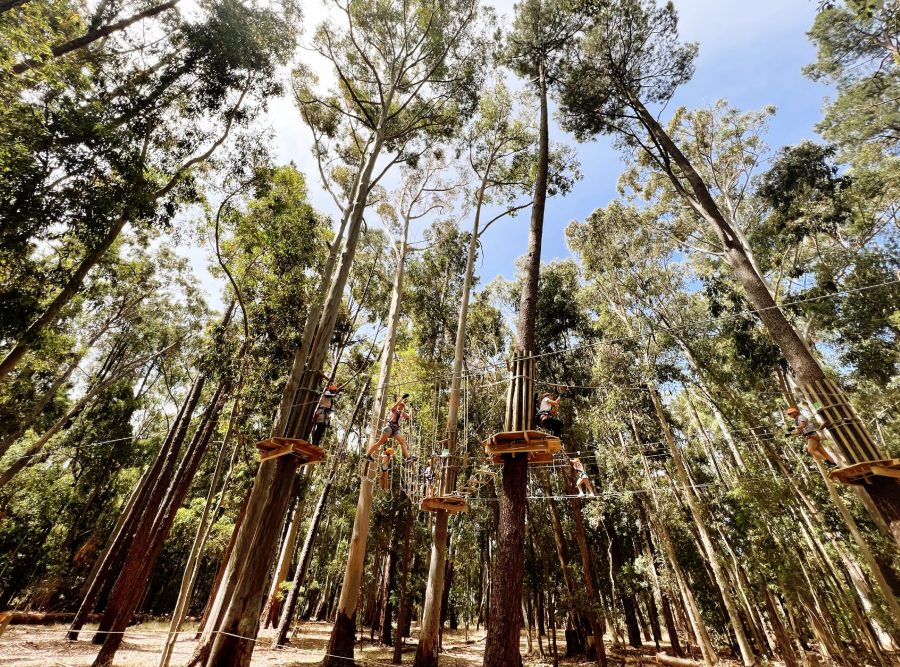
point(46, 646)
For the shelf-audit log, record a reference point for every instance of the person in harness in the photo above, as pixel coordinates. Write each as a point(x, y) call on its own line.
point(428, 476)
point(804, 428)
point(386, 459)
point(392, 428)
point(584, 482)
point(547, 414)
point(322, 416)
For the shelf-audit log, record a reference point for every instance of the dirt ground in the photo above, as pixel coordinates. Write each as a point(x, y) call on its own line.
point(46, 646)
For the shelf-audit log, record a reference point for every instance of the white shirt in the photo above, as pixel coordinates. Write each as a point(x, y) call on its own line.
point(546, 405)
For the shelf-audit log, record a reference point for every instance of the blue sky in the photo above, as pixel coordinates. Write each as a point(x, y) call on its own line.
point(751, 53)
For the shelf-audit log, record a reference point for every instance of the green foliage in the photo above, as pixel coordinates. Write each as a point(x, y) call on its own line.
point(859, 53)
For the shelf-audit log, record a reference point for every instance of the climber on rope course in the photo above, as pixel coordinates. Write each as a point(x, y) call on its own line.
point(804, 428)
point(386, 459)
point(322, 416)
point(547, 416)
point(429, 477)
point(584, 482)
point(391, 428)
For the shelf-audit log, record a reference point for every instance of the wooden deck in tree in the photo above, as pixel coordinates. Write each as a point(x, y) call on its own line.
point(534, 458)
point(515, 442)
point(450, 504)
point(862, 473)
point(272, 448)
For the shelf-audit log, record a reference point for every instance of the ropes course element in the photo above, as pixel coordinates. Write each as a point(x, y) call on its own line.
point(275, 447)
point(499, 367)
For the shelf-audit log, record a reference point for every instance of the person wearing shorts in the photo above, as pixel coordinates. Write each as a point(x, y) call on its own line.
point(386, 459)
point(391, 430)
point(322, 417)
point(583, 482)
point(804, 428)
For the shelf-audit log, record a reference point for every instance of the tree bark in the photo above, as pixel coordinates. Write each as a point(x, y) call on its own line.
point(151, 487)
point(747, 655)
point(403, 611)
point(501, 647)
point(290, 602)
point(272, 609)
point(696, 623)
point(428, 647)
point(30, 336)
point(340, 644)
point(228, 638)
point(590, 588)
point(502, 644)
point(192, 566)
point(132, 581)
point(884, 491)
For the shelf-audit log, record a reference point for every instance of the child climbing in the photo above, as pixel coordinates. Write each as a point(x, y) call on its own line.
point(584, 482)
point(322, 416)
point(386, 459)
point(428, 475)
point(804, 428)
point(392, 428)
point(547, 414)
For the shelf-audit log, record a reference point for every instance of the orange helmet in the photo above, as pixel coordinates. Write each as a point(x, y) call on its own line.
point(792, 411)
point(332, 387)
point(389, 451)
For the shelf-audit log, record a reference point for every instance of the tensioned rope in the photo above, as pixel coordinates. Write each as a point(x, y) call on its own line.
point(498, 367)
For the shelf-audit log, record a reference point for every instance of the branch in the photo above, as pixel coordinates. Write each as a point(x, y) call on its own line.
point(92, 36)
point(187, 166)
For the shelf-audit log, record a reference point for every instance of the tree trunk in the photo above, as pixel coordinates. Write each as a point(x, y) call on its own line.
point(192, 567)
point(590, 589)
point(562, 552)
point(617, 561)
point(884, 491)
point(501, 647)
point(427, 650)
point(503, 630)
point(747, 655)
point(220, 572)
point(132, 582)
point(272, 610)
point(290, 603)
point(403, 611)
point(30, 336)
point(696, 623)
point(149, 494)
point(340, 644)
point(233, 624)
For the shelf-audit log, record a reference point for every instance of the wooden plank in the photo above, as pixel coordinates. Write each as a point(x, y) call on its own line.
point(886, 472)
point(451, 504)
point(275, 447)
point(540, 458)
point(860, 473)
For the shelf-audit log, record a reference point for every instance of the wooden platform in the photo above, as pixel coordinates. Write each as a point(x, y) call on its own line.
point(450, 504)
point(272, 448)
point(515, 442)
point(534, 458)
point(862, 473)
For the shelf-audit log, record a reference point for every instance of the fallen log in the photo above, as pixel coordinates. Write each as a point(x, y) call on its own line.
point(670, 661)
